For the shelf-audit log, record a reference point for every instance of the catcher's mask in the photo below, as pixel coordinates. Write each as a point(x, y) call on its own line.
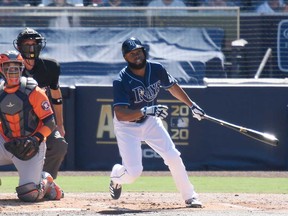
point(32, 49)
point(11, 67)
point(132, 44)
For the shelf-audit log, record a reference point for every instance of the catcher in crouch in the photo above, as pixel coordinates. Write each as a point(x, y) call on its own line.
point(26, 120)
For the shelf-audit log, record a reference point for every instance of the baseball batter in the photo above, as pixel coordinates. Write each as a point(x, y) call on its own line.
point(26, 119)
point(137, 117)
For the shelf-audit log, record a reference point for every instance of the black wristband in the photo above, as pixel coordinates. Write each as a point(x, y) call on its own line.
point(56, 101)
point(39, 136)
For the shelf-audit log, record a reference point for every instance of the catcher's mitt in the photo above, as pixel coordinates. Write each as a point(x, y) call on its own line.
point(24, 149)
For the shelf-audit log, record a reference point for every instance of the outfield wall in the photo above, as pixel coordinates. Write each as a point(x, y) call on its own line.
point(203, 145)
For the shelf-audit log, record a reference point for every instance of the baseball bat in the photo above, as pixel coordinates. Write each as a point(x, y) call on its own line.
point(262, 137)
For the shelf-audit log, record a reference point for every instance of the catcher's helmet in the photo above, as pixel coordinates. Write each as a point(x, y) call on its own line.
point(131, 44)
point(29, 51)
point(13, 71)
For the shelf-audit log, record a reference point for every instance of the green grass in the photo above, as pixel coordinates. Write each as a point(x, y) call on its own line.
point(203, 184)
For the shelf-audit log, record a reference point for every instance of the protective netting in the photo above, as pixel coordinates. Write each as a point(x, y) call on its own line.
point(249, 43)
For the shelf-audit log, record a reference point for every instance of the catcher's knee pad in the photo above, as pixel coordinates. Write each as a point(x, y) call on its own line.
point(28, 192)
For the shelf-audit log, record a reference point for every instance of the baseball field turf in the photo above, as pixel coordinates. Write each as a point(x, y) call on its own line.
point(150, 183)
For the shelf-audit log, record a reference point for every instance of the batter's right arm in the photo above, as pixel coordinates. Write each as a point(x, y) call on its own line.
point(123, 113)
point(156, 110)
point(181, 95)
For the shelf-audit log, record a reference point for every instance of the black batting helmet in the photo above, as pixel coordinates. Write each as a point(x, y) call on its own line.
point(29, 51)
point(131, 44)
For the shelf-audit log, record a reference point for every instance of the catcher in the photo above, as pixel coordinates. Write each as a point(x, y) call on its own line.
point(26, 120)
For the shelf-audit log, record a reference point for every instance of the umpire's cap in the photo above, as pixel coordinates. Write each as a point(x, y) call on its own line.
point(131, 44)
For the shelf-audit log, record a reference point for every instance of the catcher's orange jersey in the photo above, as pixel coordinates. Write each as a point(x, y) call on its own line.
point(22, 112)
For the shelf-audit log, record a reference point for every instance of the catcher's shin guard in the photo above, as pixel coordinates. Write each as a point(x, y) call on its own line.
point(29, 192)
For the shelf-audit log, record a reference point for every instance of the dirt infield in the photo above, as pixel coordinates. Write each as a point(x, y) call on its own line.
point(147, 203)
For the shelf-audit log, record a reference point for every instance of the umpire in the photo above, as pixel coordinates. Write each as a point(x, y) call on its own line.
point(46, 72)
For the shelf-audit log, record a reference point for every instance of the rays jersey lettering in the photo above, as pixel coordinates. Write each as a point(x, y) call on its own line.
point(135, 92)
point(146, 94)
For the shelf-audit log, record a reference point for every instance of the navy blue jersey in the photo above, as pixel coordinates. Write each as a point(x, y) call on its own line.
point(135, 91)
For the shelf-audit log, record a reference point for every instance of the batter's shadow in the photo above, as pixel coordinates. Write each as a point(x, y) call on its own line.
point(120, 211)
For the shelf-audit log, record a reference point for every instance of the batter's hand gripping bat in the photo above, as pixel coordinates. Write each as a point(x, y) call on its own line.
point(262, 137)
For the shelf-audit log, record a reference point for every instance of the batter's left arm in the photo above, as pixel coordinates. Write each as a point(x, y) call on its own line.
point(58, 109)
point(180, 94)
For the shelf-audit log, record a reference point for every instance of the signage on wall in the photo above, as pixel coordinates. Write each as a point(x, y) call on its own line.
point(282, 45)
point(177, 122)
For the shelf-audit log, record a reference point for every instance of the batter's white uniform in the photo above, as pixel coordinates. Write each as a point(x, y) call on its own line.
point(136, 92)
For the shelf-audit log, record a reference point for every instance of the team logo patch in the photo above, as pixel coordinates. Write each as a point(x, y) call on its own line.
point(45, 105)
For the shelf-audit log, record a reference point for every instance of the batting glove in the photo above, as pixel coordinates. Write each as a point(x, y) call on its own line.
point(156, 110)
point(197, 112)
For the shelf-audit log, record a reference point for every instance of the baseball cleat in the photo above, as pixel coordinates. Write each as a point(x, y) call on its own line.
point(54, 192)
point(115, 190)
point(193, 203)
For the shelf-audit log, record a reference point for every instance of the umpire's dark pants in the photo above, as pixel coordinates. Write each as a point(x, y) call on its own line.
point(55, 154)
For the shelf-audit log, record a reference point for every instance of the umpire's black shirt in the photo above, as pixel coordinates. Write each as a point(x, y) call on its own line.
point(46, 72)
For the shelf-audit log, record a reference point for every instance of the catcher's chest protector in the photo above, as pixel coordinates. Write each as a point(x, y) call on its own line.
point(18, 106)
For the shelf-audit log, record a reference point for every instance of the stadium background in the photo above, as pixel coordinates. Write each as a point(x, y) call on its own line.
point(220, 72)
